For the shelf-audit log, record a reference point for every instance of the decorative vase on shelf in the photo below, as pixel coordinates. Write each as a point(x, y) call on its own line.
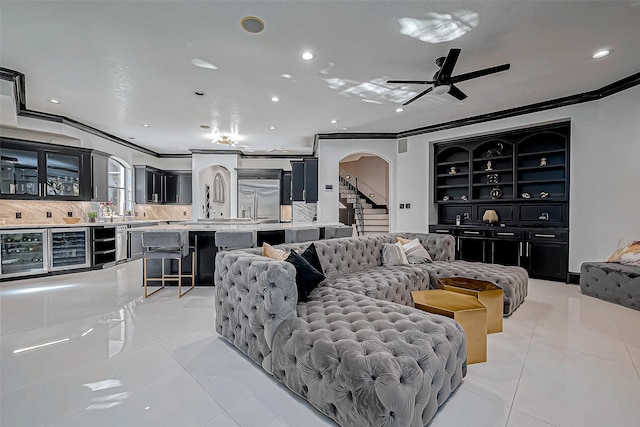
point(543, 161)
point(489, 166)
point(496, 193)
point(453, 170)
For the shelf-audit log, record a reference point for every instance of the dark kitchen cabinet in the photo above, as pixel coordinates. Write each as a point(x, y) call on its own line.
point(285, 188)
point(185, 188)
point(171, 192)
point(33, 170)
point(304, 180)
point(297, 181)
point(99, 177)
point(158, 186)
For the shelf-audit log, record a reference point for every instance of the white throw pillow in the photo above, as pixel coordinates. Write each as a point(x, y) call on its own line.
point(415, 252)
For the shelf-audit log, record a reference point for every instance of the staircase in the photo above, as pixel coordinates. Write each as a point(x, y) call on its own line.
point(372, 220)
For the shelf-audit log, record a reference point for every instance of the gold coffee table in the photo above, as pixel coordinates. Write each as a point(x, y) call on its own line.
point(464, 309)
point(492, 296)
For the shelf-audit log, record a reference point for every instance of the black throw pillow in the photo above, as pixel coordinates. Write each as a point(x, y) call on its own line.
point(307, 277)
point(311, 256)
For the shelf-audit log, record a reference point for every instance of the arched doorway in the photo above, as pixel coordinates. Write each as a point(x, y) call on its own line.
point(215, 192)
point(364, 193)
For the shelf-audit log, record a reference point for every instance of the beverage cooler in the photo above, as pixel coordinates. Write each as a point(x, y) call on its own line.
point(23, 252)
point(35, 251)
point(69, 248)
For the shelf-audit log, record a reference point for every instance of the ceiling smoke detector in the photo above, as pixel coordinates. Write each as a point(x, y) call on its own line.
point(252, 24)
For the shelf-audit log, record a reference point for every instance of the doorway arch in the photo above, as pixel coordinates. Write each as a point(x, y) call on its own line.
point(215, 192)
point(367, 174)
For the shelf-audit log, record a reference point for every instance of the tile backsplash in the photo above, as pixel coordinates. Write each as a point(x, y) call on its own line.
point(36, 211)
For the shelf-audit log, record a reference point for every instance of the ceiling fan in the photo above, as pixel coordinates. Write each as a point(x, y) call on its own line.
point(444, 82)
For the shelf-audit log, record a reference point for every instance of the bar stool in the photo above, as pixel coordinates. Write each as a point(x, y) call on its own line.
point(335, 232)
point(299, 235)
point(167, 245)
point(235, 239)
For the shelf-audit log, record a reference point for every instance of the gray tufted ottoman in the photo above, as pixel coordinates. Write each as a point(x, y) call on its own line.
point(367, 362)
point(617, 283)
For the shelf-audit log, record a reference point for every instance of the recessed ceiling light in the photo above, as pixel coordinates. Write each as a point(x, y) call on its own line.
point(399, 110)
point(601, 53)
point(286, 76)
point(334, 121)
point(275, 99)
point(131, 137)
point(203, 64)
point(307, 55)
point(145, 125)
point(174, 146)
point(252, 24)
point(205, 126)
point(273, 128)
point(345, 128)
point(198, 93)
point(53, 101)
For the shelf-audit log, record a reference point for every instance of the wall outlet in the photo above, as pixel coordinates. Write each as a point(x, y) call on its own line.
point(144, 214)
point(184, 213)
point(49, 215)
point(18, 215)
point(401, 205)
point(408, 205)
point(70, 214)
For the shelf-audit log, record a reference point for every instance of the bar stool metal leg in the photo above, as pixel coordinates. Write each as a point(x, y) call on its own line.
point(193, 275)
point(146, 279)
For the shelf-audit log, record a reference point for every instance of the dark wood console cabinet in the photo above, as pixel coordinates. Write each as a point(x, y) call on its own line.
point(523, 175)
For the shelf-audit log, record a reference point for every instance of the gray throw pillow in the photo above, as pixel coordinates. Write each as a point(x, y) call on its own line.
point(393, 254)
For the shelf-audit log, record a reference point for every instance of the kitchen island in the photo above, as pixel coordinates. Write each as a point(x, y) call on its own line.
point(202, 239)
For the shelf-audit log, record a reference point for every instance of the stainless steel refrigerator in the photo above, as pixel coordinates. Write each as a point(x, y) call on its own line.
point(259, 199)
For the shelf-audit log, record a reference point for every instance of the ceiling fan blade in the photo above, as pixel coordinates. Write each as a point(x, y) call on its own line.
point(480, 73)
point(411, 82)
point(449, 63)
point(457, 93)
point(421, 94)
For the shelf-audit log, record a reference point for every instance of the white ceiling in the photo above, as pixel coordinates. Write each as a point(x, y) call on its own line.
point(117, 65)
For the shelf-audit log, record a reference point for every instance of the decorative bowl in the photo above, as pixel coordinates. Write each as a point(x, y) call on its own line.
point(71, 220)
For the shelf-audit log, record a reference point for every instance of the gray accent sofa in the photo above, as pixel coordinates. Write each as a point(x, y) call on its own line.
point(357, 350)
point(617, 283)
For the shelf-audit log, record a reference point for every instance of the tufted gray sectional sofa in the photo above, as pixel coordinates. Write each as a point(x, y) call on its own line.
point(617, 283)
point(357, 350)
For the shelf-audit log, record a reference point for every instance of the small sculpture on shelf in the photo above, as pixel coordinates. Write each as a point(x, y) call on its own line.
point(445, 198)
point(543, 161)
point(495, 152)
point(453, 170)
point(526, 195)
point(544, 194)
point(464, 197)
point(489, 166)
point(496, 193)
point(493, 178)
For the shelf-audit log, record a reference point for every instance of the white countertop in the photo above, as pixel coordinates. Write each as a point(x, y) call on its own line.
point(79, 224)
point(198, 226)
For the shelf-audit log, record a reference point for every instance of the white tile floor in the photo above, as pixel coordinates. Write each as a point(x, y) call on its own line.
point(85, 349)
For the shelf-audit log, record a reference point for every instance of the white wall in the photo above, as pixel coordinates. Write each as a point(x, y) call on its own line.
point(201, 163)
point(330, 152)
point(261, 163)
point(60, 134)
point(373, 176)
point(219, 209)
point(604, 177)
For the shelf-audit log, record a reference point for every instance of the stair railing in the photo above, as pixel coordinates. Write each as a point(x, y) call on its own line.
point(357, 206)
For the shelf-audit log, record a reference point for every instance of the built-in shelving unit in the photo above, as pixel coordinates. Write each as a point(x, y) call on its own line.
point(523, 176)
point(104, 246)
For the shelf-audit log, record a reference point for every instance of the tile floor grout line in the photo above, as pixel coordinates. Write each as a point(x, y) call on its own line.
point(586, 354)
point(524, 361)
point(625, 345)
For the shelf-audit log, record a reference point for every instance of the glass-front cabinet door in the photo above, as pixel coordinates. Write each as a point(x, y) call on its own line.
point(23, 252)
point(69, 248)
point(63, 175)
point(19, 173)
point(33, 170)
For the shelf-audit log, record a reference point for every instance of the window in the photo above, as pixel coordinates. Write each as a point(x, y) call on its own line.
point(120, 188)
